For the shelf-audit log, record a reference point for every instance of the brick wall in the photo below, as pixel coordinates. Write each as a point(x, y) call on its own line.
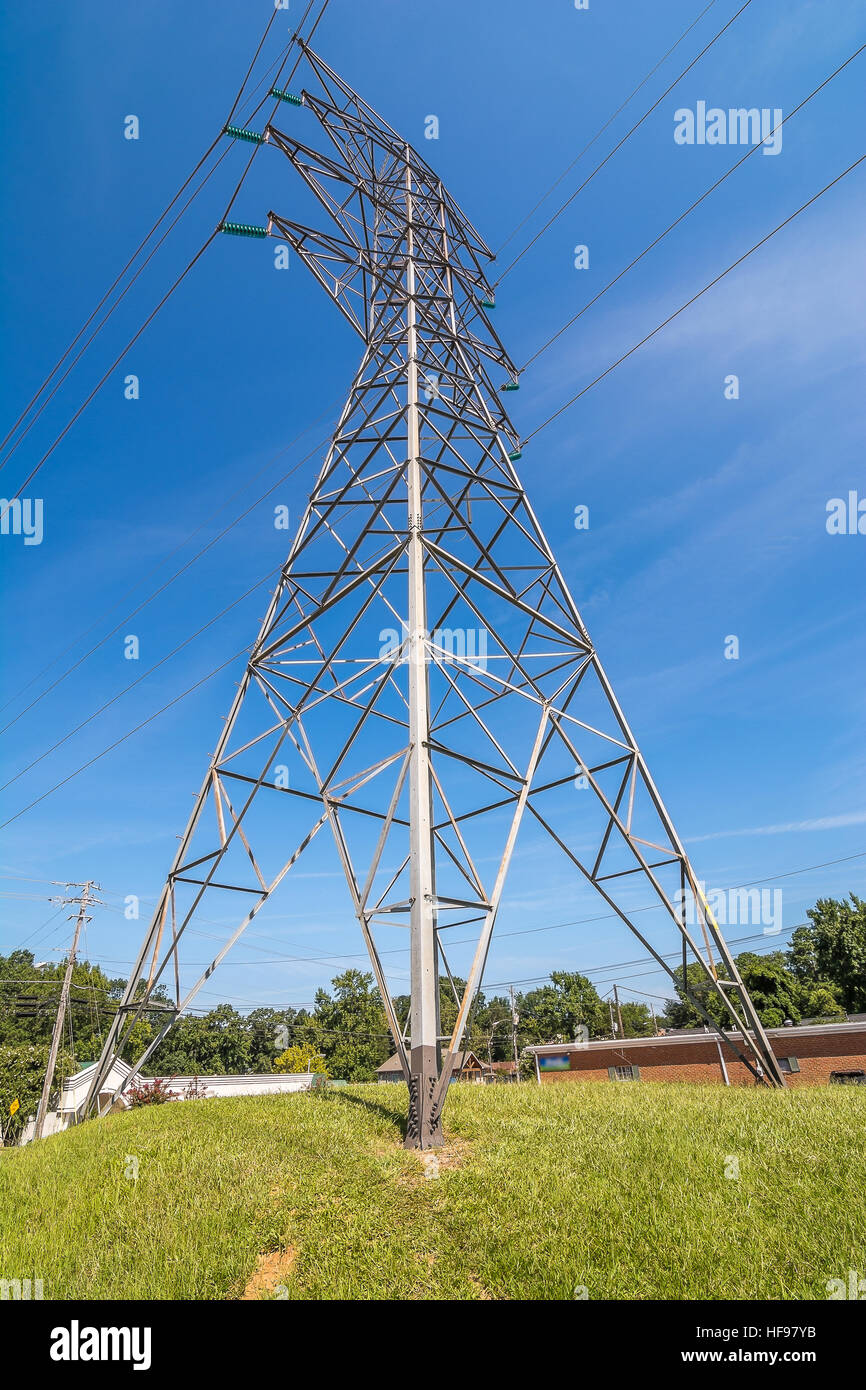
point(698, 1060)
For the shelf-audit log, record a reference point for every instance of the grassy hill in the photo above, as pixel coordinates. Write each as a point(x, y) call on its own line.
point(619, 1190)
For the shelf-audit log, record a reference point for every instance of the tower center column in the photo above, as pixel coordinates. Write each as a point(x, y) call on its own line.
point(422, 1132)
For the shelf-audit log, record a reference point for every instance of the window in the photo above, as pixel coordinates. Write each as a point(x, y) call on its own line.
point(789, 1064)
point(624, 1073)
point(848, 1078)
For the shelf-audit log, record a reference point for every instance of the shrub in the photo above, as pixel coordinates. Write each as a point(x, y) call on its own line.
point(196, 1090)
point(301, 1057)
point(153, 1092)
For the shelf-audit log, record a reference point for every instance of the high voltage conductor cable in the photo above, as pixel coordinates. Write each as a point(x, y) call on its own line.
point(498, 984)
point(684, 215)
point(99, 327)
point(739, 261)
point(531, 931)
point(98, 387)
point(275, 109)
point(170, 580)
point(137, 252)
point(527, 931)
point(599, 969)
point(556, 926)
point(144, 675)
point(138, 249)
point(97, 330)
point(768, 949)
point(602, 129)
point(165, 297)
point(129, 733)
point(770, 878)
point(403, 950)
point(549, 223)
point(638, 974)
point(43, 926)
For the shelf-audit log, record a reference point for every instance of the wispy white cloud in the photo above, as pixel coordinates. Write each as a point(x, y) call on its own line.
point(790, 827)
point(769, 314)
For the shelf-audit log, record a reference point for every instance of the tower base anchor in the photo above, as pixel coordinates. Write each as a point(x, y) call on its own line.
point(424, 1125)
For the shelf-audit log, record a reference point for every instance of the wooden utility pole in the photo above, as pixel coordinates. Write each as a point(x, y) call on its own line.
point(618, 1011)
point(514, 1022)
point(83, 901)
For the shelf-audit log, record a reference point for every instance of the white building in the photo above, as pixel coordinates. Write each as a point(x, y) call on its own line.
point(74, 1093)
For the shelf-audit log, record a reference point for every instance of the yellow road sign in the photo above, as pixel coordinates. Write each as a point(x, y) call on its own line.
point(16, 1105)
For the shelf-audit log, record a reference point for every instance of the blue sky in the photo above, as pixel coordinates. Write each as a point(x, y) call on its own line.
point(707, 515)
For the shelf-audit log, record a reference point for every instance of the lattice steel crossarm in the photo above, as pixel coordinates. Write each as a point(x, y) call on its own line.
point(422, 673)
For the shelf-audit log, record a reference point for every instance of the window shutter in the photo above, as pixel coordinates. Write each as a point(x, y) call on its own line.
point(793, 1064)
point(635, 1071)
point(611, 1072)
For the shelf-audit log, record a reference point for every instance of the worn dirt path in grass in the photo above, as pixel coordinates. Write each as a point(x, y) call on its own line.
point(271, 1274)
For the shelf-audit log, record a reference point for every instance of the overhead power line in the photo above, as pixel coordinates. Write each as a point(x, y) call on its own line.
point(670, 955)
point(166, 296)
point(602, 129)
point(525, 931)
point(129, 733)
point(118, 359)
point(739, 261)
point(683, 215)
point(166, 583)
point(618, 146)
point(133, 258)
point(181, 646)
point(527, 980)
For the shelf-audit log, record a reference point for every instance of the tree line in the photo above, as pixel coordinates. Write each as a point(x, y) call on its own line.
point(822, 975)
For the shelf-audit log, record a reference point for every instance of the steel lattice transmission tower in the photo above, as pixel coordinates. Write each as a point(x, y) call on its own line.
point(422, 671)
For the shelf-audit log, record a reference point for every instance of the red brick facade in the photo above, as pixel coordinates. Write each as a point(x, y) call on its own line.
point(817, 1052)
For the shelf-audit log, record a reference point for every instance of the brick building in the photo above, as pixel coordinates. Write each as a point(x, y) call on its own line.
point(809, 1055)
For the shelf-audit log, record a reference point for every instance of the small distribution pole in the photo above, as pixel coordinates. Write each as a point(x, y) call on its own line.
point(515, 1019)
point(84, 901)
point(618, 1012)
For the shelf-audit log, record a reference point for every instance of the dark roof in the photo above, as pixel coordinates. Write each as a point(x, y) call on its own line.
point(461, 1060)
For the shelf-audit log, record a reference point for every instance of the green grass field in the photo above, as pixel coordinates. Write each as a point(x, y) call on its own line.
point(619, 1190)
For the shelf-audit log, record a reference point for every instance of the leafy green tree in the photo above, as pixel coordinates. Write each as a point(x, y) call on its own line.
point(637, 1020)
point(776, 992)
point(820, 1001)
point(491, 1029)
point(488, 1026)
point(679, 1013)
point(217, 1044)
point(560, 1009)
point(22, 1073)
point(832, 950)
point(349, 1027)
point(299, 1058)
point(29, 999)
point(270, 1032)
